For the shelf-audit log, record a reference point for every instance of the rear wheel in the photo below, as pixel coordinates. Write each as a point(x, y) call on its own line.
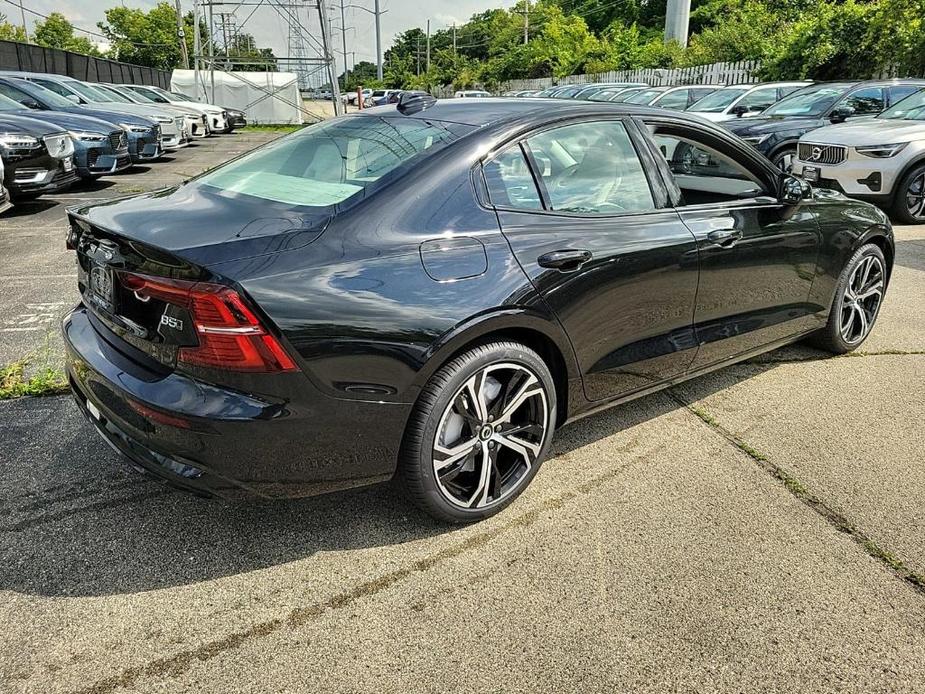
point(858, 297)
point(909, 201)
point(479, 432)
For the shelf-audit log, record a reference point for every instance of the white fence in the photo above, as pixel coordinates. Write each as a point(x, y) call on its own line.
point(717, 73)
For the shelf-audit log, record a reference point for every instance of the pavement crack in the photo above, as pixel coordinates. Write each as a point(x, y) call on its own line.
point(179, 663)
point(836, 519)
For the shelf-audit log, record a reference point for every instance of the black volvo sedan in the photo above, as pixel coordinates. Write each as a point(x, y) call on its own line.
point(429, 290)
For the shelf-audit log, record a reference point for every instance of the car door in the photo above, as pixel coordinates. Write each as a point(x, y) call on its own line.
point(594, 233)
point(757, 255)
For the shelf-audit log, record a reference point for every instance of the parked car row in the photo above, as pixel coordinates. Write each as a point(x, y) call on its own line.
point(56, 130)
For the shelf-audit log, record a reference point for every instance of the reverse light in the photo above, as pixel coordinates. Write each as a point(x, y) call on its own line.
point(230, 335)
point(881, 151)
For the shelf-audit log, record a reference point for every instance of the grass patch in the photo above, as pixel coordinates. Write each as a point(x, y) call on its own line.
point(45, 381)
point(270, 128)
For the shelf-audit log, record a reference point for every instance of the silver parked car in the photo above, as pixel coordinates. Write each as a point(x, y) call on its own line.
point(743, 100)
point(880, 159)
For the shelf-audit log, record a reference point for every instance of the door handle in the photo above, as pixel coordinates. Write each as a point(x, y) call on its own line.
point(565, 261)
point(725, 238)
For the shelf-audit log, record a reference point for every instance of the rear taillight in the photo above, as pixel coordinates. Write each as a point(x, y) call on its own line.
point(230, 336)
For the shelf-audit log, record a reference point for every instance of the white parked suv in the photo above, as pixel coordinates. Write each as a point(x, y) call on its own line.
point(880, 159)
point(743, 100)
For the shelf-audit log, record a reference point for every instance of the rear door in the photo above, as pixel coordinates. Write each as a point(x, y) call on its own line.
point(594, 232)
point(757, 255)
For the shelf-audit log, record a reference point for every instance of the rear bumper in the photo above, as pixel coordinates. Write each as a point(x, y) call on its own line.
point(217, 441)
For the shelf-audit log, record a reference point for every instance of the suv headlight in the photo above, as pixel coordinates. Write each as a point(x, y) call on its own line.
point(756, 139)
point(161, 119)
point(86, 136)
point(18, 141)
point(130, 128)
point(881, 151)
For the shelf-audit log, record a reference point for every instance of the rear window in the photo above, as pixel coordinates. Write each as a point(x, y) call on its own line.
point(325, 164)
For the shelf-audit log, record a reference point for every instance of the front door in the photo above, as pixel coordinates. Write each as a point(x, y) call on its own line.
point(757, 255)
point(596, 236)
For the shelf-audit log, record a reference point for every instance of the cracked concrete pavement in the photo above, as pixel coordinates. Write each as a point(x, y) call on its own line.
point(650, 554)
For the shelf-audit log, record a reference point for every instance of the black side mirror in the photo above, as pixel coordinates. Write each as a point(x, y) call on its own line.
point(739, 110)
point(841, 114)
point(794, 190)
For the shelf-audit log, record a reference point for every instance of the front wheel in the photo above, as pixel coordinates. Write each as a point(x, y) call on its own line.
point(909, 202)
point(858, 296)
point(479, 432)
point(783, 159)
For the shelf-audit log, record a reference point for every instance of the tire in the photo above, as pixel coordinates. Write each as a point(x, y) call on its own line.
point(462, 407)
point(781, 161)
point(912, 184)
point(833, 338)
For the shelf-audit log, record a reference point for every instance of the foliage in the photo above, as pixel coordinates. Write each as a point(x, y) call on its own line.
point(10, 31)
point(45, 381)
point(57, 32)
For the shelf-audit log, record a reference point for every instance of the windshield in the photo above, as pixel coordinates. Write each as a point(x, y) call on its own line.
point(8, 104)
point(54, 101)
point(643, 97)
point(910, 108)
point(86, 91)
point(325, 164)
point(812, 101)
point(718, 101)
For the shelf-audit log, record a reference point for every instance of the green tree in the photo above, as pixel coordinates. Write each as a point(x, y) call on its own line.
point(10, 31)
point(57, 32)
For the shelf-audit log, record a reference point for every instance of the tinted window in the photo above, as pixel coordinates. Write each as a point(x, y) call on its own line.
point(675, 100)
point(760, 99)
point(591, 168)
point(510, 183)
point(704, 174)
point(901, 92)
point(866, 101)
point(327, 163)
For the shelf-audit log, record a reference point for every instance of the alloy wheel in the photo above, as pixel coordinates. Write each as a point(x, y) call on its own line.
point(490, 435)
point(915, 196)
point(861, 299)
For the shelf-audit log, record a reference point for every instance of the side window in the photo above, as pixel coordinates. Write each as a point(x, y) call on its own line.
point(698, 94)
point(591, 168)
point(901, 92)
point(760, 99)
point(866, 101)
point(509, 181)
point(704, 174)
point(14, 93)
point(787, 91)
point(53, 86)
point(674, 100)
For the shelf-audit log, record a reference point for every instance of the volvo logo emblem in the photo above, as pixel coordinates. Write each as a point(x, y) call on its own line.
point(100, 282)
point(816, 154)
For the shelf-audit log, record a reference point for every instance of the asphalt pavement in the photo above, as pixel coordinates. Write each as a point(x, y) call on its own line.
point(757, 529)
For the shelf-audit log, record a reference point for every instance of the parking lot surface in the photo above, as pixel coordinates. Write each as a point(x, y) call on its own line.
point(757, 529)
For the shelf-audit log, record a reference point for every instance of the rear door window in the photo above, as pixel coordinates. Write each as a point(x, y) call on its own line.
point(591, 168)
point(510, 183)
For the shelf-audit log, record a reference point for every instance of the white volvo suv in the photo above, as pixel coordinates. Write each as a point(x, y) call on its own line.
point(880, 159)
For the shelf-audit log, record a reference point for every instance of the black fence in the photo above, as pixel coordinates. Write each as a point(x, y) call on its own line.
point(29, 58)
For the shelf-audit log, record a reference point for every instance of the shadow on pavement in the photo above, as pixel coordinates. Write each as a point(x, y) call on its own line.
point(82, 523)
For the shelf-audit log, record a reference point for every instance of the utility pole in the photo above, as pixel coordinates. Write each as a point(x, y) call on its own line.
point(211, 53)
point(181, 35)
point(197, 47)
point(527, 22)
point(343, 35)
point(329, 56)
point(378, 13)
point(677, 21)
point(417, 54)
point(22, 12)
point(428, 45)
point(454, 38)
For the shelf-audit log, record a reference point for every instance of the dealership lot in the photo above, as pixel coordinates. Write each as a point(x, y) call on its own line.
point(658, 549)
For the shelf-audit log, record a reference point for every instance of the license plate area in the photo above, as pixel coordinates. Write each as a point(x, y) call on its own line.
point(68, 164)
point(811, 174)
point(99, 283)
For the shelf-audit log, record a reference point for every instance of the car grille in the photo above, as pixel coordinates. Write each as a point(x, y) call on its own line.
point(822, 154)
point(118, 140)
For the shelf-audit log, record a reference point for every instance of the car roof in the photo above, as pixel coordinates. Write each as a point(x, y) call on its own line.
point(496, 111)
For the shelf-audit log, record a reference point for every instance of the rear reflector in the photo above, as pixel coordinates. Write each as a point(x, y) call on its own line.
point(230, 335)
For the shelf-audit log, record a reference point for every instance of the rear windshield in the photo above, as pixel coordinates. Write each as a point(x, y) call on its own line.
point(325, 164)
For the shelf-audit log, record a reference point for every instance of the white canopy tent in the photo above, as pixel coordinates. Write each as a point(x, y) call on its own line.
point(266, 97)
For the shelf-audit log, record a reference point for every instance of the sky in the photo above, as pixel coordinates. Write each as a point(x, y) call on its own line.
point(270, 30)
